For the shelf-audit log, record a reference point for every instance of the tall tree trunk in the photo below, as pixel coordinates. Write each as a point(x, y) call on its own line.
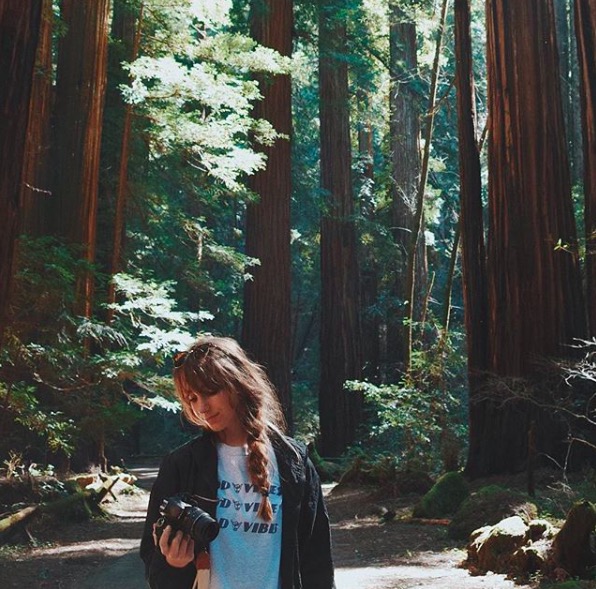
point(19, 31)
point(80, 91)
point(471, 224)
point(534, 290)
point(575, 129)
point(126, 31)
point(418, 223)
point(561, 11)
point(404, 131)
point(340, 412)
point(566, 44)
point(369, 274)
point(35, 189)
point(585, 26)
point(266, 325)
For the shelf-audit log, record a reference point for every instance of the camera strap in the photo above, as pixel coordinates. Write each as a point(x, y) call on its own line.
point(203, 565)
point(202, 579)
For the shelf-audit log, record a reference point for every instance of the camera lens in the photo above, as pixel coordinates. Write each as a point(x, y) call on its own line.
point(202, 527)
point(192, 520)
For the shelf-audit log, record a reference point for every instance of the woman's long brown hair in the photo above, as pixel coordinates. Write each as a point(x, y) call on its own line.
point(214, 364)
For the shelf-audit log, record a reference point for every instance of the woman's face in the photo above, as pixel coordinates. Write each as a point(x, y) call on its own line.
point(220, 416)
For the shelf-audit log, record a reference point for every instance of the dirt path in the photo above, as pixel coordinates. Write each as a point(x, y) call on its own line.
point(369, 553)
point(372, 554)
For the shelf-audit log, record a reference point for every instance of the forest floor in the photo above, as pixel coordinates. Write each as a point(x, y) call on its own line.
point(368, 552)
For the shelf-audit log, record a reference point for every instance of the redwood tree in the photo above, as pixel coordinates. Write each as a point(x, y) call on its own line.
point(567, 45)
point(340, 411)
point(80, 91)
point(369, 271)
point(585, 26)
point(471, 223)
point(534, 292)
point(35, 188)
point(267, 317)
point(404, 131)
point(19, 31)
point(116, 136)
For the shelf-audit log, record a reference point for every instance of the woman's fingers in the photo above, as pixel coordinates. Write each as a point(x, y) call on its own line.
point(175, 544)
point(187, 547)
point(179, 551)
point(164, 541)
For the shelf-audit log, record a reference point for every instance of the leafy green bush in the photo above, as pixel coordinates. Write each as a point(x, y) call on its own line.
point(63, 376)
point(445, 497)
point(422, 419)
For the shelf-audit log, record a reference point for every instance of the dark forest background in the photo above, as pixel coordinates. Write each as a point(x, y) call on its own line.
point(390, 203)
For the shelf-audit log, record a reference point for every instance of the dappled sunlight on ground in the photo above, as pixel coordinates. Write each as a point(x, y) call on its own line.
point(106, 546)
point(369, 552)
point(421, 577)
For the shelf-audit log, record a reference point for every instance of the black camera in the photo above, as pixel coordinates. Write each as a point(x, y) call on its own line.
point(183, 513)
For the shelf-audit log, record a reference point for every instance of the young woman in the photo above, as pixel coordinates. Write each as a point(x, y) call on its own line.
point(258, 484)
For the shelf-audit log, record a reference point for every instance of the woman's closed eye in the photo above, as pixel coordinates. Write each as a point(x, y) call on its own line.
point(194, 397)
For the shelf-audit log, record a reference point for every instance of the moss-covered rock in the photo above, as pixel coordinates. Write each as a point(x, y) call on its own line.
point(445, 497)
point(488, 506)
point(492, 547)
point(571, 548)
point(328, 471)
point(412, 482)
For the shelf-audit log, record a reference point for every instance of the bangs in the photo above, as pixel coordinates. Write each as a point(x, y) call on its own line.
point(197, 379)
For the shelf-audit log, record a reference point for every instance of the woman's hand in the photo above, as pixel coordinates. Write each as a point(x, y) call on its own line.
point(178, 552)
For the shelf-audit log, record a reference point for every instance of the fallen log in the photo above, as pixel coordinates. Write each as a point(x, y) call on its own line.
point(80, 505)
point(16, 518)
point(427, 521)
point(88, 500)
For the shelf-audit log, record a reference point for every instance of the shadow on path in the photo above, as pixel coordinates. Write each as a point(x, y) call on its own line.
point(126, 571)
point(104, 554)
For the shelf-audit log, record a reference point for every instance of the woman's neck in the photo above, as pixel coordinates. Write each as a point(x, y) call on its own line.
point(232, 438)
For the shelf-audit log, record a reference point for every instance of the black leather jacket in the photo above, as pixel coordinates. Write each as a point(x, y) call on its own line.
point(306, 544)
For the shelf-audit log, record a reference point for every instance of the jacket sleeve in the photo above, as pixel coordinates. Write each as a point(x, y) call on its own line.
point(159, 574)
point(316, 564)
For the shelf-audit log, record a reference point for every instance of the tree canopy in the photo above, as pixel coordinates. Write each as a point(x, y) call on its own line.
point(382, 200)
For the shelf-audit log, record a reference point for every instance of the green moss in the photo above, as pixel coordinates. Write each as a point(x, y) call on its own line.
point(444, 498)
point(488, 506)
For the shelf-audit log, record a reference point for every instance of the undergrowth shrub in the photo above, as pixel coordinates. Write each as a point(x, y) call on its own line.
point(445, 497)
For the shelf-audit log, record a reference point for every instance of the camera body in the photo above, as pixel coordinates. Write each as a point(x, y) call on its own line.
point(182, 512)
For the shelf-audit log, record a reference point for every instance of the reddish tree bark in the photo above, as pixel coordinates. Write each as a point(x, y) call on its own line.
point(266, 325)
point(585, 27)
point(530, 197)
point(80, 92)
point(35, 188)
point(534, 291)
point(19, 31)
point(126, 30)
point(340, 411)
point(471, 223)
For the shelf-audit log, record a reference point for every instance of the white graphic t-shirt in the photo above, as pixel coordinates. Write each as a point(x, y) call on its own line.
point(246, 553)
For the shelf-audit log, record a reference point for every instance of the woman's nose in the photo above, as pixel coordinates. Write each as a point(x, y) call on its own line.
point(202, 404)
